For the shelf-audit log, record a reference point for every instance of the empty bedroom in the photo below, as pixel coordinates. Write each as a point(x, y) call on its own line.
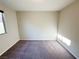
point(39, 29)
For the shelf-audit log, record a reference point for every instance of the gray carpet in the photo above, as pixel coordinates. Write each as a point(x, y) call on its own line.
point(37, 50)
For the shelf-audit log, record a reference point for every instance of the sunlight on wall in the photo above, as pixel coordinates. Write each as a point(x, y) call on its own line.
point(64, 39)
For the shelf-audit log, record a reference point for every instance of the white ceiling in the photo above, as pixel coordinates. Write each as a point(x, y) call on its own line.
point(37, 5)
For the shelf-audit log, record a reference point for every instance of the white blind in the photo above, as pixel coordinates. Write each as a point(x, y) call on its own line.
point(2, 27)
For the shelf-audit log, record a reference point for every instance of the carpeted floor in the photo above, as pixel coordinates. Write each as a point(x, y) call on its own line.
point(37, 50)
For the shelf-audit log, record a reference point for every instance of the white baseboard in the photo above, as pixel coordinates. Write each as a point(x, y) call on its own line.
point(39, 39)
point(68, 49)
point(8, 48)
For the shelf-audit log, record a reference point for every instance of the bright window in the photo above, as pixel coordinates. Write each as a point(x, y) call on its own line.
point(2, 26)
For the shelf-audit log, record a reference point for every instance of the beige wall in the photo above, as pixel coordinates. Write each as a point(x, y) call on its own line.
point(37, 25)
point(11, 37)
point(69, 27)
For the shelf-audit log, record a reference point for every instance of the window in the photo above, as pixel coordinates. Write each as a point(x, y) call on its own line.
point(2, 25)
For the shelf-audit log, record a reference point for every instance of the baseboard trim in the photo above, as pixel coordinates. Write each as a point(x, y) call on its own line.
point(8, 48)
point(73, 54)
point(39, 39)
